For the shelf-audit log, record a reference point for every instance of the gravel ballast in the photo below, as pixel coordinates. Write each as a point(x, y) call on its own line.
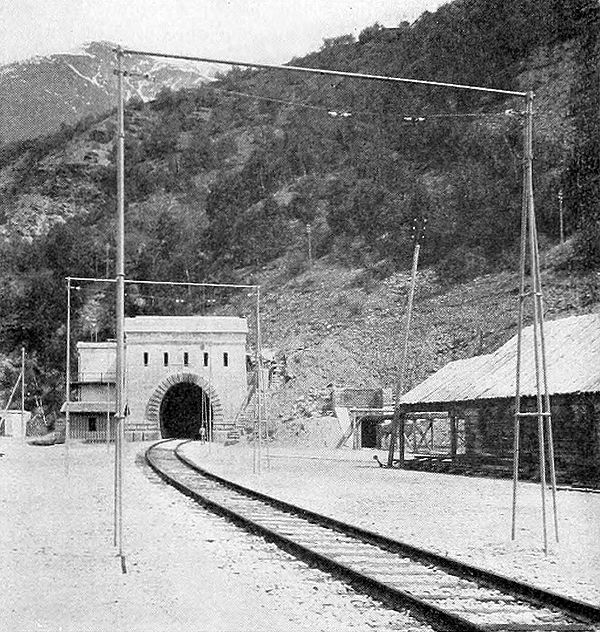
point(467, 518)
point(187, 568)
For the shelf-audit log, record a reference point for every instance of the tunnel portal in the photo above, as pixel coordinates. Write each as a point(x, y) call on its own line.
point(186, 409)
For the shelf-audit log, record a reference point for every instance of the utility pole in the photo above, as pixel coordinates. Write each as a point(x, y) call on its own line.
point(397, 427)
point(23, 429)
point(259, 394)
point(560, 216)
point(68, 378)
point(529, 241)
point(120, 315)
point(309, 238)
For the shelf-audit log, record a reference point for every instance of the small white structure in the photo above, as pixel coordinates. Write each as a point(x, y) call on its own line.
point(13, 423)
point(185, 376)
point(93, 408)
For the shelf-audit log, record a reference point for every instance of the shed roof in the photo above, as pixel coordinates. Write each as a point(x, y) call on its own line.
point(89, 407)
point(572, 360)
point(186, 324)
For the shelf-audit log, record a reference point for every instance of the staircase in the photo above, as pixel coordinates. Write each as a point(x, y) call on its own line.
point(245, 418)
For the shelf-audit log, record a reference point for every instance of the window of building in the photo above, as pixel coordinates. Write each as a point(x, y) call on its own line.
point(92, 424)
point(186, 358)
point(145, 358)
point(166, 359)
point(205, 358)
point(225, 359)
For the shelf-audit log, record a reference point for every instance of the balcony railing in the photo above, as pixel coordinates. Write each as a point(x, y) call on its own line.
point(95, 377)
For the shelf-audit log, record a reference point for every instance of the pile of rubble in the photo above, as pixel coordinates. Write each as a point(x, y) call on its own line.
point(314, 432)
point(315, 403)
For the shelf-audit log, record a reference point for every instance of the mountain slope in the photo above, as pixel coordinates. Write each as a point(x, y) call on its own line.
point(226, 180)
point(339, 327)
point(40, 94)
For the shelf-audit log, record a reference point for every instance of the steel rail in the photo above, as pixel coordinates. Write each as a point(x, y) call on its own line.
point(323, 71)
point(394, 598)
point(527, 591)
point(581, 611)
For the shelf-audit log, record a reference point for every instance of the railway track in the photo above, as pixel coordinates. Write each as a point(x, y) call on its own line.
point(450, 595)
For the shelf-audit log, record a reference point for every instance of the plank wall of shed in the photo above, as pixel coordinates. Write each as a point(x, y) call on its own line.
point(576, 432)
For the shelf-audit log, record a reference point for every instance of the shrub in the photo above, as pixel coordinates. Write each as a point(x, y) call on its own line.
point(560, 257)
point(295, 263)
point(461, 264)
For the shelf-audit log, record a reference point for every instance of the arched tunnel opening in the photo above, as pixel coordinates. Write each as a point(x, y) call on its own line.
point(186, 413)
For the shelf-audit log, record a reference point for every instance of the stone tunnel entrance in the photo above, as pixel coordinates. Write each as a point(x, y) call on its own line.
point(186, 412)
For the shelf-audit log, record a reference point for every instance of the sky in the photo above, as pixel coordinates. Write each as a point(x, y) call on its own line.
point(270, 31)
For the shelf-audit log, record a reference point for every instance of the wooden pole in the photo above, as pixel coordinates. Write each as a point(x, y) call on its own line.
point(309, 238)
point(203, 431)
point(397, 427)
point(107, 413)
point(258, 382)
point(267, 397)
point(453, 434)
point(68, 378)
point(23, 429)
point(560, 216)
point(210, 420)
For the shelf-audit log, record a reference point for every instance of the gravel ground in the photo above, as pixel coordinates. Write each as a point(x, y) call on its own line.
point(465, 517)
point(187, 569)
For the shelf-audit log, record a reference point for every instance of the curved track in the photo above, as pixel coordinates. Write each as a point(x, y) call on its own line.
point(449, 594)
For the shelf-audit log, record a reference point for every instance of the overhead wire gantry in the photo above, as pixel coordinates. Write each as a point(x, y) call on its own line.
point(528, 244)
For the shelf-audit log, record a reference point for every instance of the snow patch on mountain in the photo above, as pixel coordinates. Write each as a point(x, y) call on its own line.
point(93, 81)
point(43, 92)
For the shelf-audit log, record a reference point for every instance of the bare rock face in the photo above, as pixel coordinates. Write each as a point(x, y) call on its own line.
point(39, 94)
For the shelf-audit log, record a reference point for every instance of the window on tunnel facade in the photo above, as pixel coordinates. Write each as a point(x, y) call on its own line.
point(205, 358)
point(166, 358)
point(145, 358)
point(226, 359)
point(186, 358)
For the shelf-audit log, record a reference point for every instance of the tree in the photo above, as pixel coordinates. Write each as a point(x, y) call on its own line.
point(582, 182)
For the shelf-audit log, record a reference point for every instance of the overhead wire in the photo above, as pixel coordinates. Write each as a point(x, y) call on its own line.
point(408, 118)
point(344, 113)
point(323, 71)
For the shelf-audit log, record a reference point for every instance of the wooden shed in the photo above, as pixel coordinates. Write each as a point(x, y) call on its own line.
point(481, 391)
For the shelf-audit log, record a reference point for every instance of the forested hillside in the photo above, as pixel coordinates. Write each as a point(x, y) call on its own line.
point(223, 180)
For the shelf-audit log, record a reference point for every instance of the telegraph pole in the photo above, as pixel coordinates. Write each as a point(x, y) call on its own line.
point(259, 395)
point(560, 216)
point(309, 238)
point(397, 427)
point(68, 378)
point(23, 429)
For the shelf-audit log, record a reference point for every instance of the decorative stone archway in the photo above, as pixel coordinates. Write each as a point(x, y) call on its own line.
point(153, 405)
